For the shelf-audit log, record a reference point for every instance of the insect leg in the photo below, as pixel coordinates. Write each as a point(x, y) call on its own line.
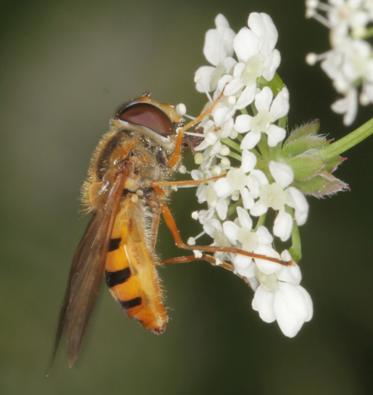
point(184, 183)
point(171, 225)
point(176, 155)
point(155, 225)
point(192, 258)
point(205, 113)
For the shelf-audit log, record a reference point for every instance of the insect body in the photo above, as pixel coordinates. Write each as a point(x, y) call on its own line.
point(130, 270)
point(119, 241)
point(125, 196)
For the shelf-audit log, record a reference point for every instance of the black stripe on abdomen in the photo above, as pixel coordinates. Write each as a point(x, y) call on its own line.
point(114, 244)
point(128, 304)
point(117, 277)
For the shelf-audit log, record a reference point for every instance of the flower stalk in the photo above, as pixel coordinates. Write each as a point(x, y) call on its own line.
point(296, 244)
point(347, 142)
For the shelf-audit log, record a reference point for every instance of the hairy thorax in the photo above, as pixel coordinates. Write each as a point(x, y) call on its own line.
point(122, 151)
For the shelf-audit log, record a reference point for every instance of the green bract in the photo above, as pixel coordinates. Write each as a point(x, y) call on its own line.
point(312, 172)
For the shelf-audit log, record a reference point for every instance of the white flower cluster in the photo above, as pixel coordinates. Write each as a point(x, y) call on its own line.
point(349, 62)
point(240, 140)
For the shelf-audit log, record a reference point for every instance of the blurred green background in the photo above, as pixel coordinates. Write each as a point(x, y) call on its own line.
point(65, 67)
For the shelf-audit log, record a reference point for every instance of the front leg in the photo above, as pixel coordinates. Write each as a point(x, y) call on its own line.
point(171, 225)
point(193, 258)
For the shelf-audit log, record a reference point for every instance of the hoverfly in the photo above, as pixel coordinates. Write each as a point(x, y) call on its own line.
point(125, 192)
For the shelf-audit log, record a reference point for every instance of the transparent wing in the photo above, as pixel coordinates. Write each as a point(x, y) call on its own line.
point(86, 274)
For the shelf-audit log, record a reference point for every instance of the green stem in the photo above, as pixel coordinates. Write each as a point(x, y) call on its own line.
point(230, 143)
point(232, 209)
point(261, 221)
point(233, 155)
point(263, 147)
point(276, 84)
point(296, 245)
point(283, 122)
point(345, 143)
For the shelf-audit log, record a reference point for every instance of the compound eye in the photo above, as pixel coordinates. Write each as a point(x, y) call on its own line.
point(147, 115)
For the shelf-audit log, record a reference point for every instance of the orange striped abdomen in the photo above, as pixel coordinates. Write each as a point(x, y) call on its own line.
point(130, 269)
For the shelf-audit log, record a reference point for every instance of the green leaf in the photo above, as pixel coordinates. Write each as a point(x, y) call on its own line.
point(323, 185)
point(305, 166)
point(332, 164)
point(310, 128)
point(303, 144)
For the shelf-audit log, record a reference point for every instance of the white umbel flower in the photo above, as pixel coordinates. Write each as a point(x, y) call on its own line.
point(241, 234)
point(238, 143)
point(280, 297)
point(255, 49)
point(218, 50)
point(288, 304)
point(280, 196)
point(349, 62)
point(269, 110)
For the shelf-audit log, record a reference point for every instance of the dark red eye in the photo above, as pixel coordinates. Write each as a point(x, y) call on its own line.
point(147, 115)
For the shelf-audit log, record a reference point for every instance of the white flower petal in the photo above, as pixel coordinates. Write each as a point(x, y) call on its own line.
point(245, 44)
point(222, 208)
point(232, 87)
point(263, 99)
point(237, 178)
point(253, 282)
point(260, 177)
point(247, 199)
point(250, 140)
point(271, 64)
point(244, 218)
point(263, 304)
point(231, 230)
point(205, 215)
point(221, 114)
point(243, 123)
point(262, 25)
point(238, 69)
point(212, 227)
point(246, 97)
point(283, 225)
point(221, 83)
point(258, 209)
point(196, 174)
point(264, 236)
point(282, 173)
point(243, 266)
point(211, 196)
point(308, 303)
point(229, 64)
point(290, 274)
point(218, 42)
point(280, 104)
point(299, 202)
point(222, 188)
point(275, 135)
point(347, 106)
point(202, 78)
point(201, 193)
point(264, 265)
point(248, 161)
point(291, 308)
